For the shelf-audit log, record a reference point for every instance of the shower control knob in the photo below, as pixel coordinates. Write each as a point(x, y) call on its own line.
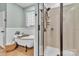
point(52, 28)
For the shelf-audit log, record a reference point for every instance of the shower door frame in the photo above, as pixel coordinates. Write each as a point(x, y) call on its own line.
point(61, 29)
point(38, 30)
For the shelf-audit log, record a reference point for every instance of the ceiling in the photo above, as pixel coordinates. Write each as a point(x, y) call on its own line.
point(47, 5)
point(53, 5)
point(24, 5)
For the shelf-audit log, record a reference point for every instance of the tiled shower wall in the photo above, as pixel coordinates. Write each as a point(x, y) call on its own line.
point(52, 37)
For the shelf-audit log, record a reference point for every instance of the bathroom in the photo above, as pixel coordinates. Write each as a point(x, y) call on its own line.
point(39, 29)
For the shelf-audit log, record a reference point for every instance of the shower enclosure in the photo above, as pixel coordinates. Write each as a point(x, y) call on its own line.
point(48, 29)
point(58, 29)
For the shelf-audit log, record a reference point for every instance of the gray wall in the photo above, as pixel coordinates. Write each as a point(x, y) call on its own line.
point(2, 6)
point(2, 13)
point(15, 16)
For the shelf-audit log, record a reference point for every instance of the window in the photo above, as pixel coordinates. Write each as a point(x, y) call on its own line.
point(30, 18)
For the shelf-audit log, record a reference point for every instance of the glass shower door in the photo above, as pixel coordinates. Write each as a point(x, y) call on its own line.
point(50, 29)
point(71, 29)
point(55, 19)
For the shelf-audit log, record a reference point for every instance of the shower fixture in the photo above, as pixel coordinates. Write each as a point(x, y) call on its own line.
point(46, 18)
point(48, 9)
